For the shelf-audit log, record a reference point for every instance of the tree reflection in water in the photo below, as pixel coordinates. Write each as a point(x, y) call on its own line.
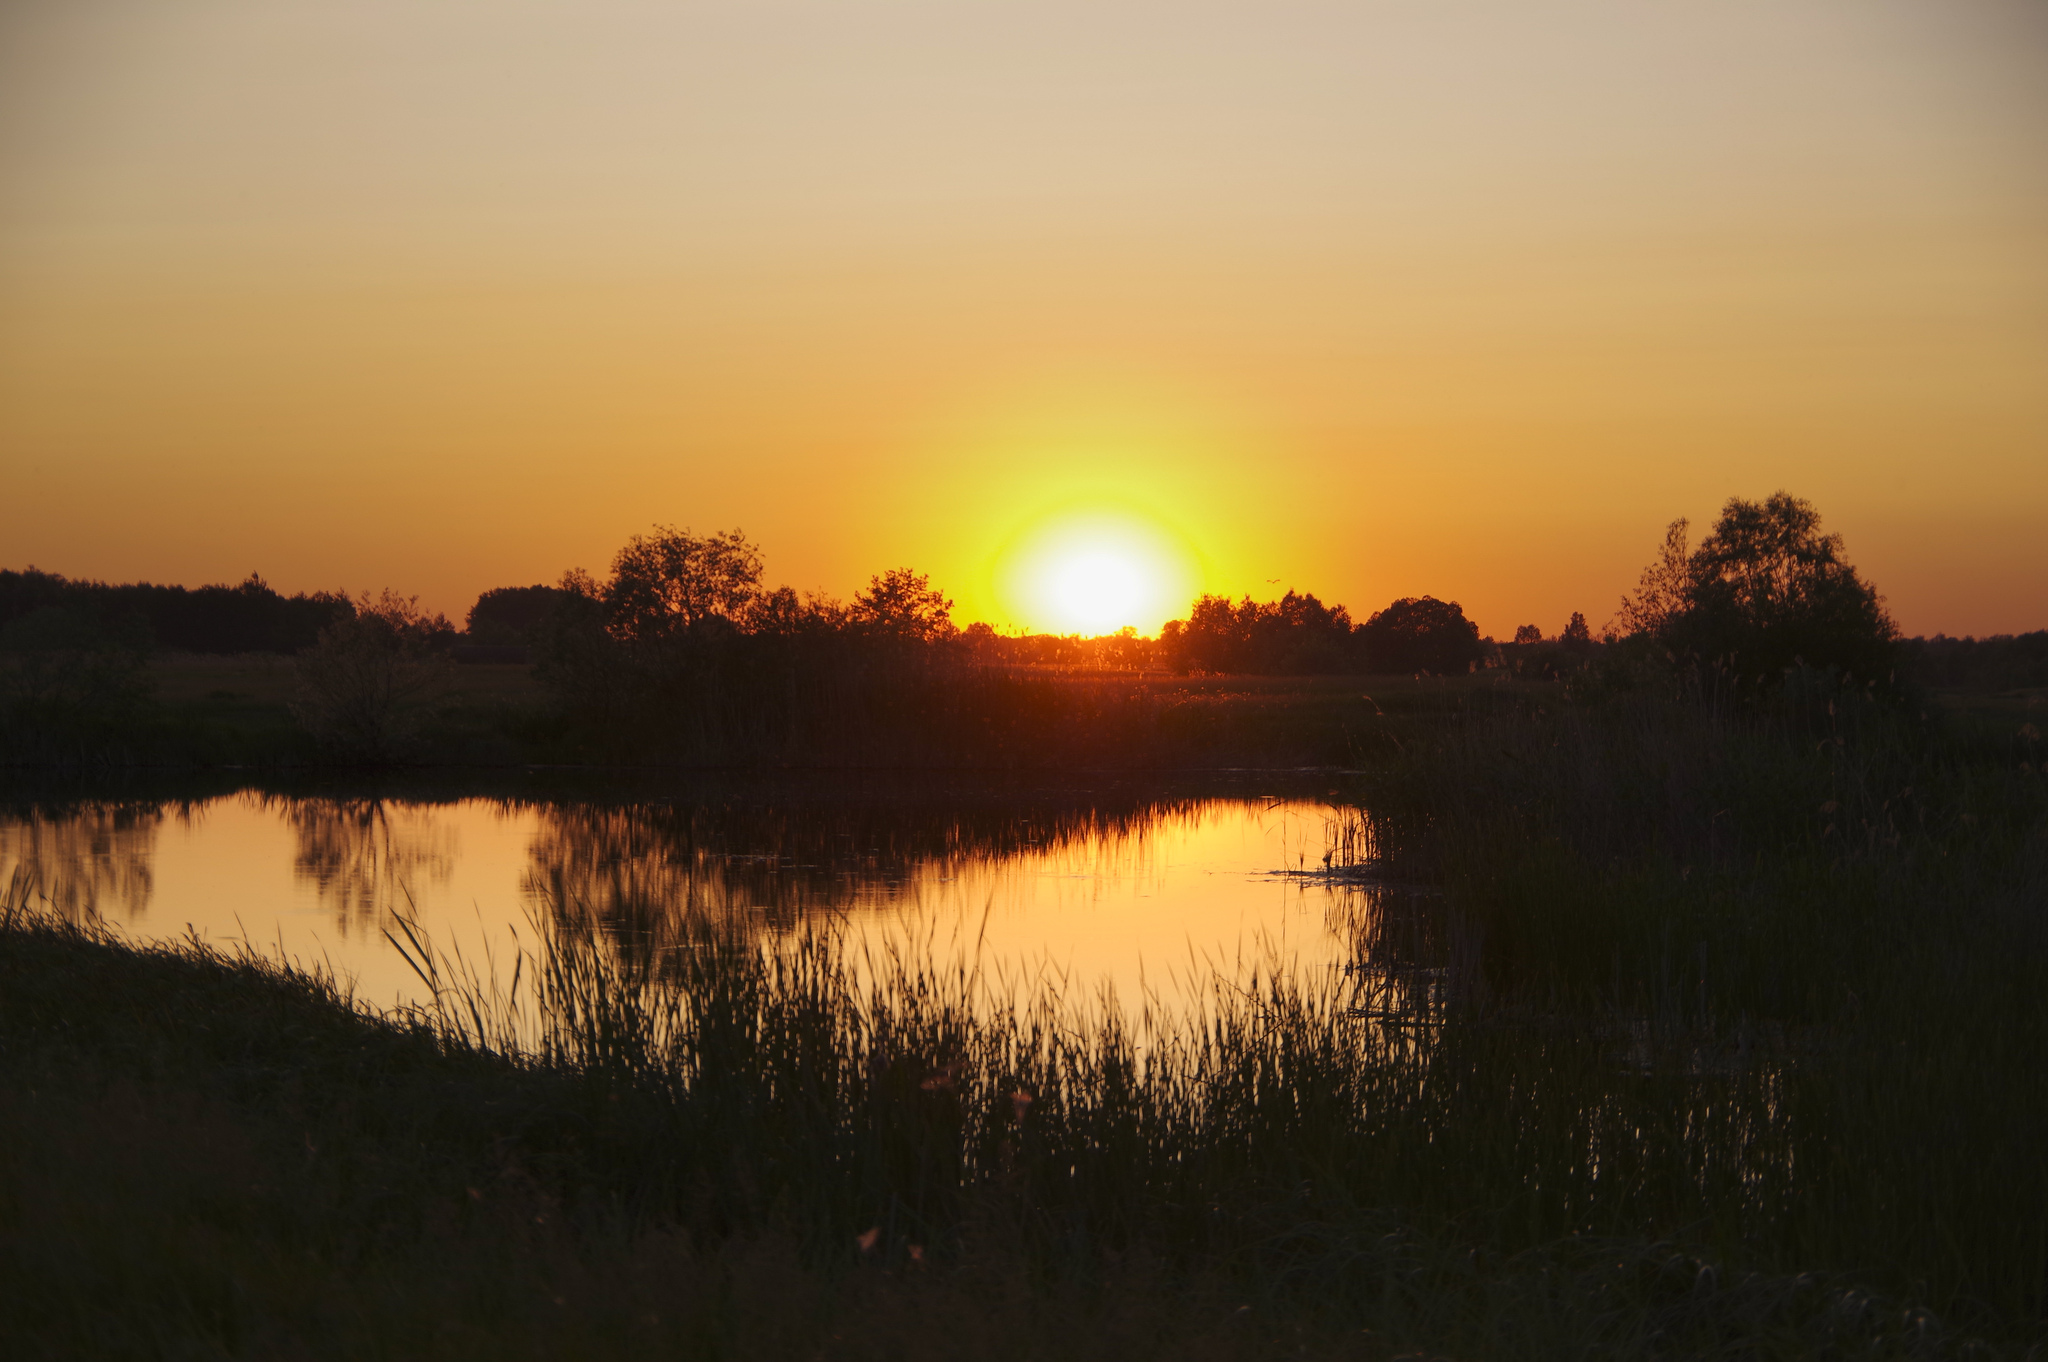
point(654, 877)
point(364, 857)
point(84, 858)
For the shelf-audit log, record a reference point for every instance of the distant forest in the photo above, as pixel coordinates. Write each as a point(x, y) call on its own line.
point(1294, 635)
point(42, 609)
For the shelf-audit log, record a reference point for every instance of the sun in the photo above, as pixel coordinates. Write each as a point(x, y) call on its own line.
point(1096, 571)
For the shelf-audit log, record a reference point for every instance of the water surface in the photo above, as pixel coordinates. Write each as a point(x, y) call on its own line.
point(1140, 892)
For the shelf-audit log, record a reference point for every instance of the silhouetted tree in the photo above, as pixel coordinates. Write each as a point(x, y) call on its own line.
point(367, 684)
point(72, 685)
point(510, 614)
point(1294, 635)
point(1999, 662)
point(1577, 636)
point(1298, 635)
point(902, 604)
point(1665, 590)
point(1216, 637)
point(666, 583)
point(1528, 633)
point(1765, 591)
point(1421, 634)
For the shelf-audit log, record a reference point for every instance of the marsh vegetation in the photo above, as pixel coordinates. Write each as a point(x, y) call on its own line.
point(1714, 1029)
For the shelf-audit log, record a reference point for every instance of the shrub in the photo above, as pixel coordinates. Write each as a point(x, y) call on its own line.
point(367, 684)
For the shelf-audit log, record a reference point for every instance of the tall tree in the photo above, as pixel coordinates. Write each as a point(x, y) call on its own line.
point(1766, 590)
point(903, 604)
point(1421, 634)
point(668, 582)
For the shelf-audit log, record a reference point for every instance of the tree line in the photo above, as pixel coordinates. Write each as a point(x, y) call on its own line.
point(42, 610)
point(681, 649)
point(667, 584)
point(1765, 590)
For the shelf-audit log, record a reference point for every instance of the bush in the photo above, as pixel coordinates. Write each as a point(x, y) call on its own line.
point(367, 684)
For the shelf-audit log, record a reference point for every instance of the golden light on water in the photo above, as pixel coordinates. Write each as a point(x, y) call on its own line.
point(1096, 571)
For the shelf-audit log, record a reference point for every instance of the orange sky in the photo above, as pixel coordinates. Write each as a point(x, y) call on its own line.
point(1374, 299)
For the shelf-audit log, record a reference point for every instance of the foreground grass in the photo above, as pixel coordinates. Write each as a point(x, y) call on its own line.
point(214, 1157)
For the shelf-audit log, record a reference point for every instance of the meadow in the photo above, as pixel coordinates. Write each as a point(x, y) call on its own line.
point(1712, 1029)
point(211, 711)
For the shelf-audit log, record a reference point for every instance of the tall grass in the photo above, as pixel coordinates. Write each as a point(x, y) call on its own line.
point(1838, 909)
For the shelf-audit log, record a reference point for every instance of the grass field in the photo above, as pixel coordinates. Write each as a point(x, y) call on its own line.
point(206, 711)
point(237, 711)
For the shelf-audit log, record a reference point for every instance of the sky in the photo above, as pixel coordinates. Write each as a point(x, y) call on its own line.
point(1373, 299)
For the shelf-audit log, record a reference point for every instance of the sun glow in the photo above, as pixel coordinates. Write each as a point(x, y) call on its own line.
point(1094, 572)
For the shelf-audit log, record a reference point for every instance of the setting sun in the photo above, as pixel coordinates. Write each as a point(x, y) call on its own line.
point(1094, 572)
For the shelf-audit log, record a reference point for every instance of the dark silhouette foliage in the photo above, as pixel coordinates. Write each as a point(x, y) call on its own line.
point(366, 687)
point(510, 615)
point(1765, 592)
point(247, 618)
point(901, 604)
point(1122, 651)
point(1528, 633)
point(1577, 635)
point(1422, 634)
point(73, 687)
point(681, 652)
point(1296, 635)
point(1998, 662)
point(667, 583)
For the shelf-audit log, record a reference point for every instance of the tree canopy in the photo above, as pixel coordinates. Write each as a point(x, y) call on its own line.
point(510, 614)
point(665, 583)
point(1763, 592)
point(245, 618)
point(1422, 634)
point(902, 604)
